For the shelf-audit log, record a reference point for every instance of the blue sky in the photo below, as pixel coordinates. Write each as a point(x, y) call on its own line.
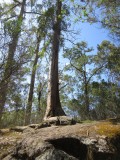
point(93, 34)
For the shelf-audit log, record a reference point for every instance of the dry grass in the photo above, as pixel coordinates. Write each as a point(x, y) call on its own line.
point(108, 129)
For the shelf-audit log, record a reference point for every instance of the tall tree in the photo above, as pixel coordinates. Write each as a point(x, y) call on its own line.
point(43, 27)
point(79, 61)
point(32, 82)
point(53, 100)
point(10, 59)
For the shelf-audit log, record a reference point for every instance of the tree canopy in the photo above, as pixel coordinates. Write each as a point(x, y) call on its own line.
point(35, 37)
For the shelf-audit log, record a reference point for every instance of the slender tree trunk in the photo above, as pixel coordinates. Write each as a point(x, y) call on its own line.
point(40, 92)
point(87, 101)
point(39, 110)
point(30, 96)
point(39, 98)
point(86, 94)
point(10, 60)
point(53, 101)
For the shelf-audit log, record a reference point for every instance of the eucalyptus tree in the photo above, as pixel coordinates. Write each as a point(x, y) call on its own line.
point(41, 91)
point(31, 90)
point(13, 28)
point(81, 63)
point(89, 97)
point(53, 100)
point(43, 27)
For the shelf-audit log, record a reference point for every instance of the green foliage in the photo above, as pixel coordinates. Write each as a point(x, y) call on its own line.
point(85, 13)
point(78, 56)
point(13, 118)
point(79, 59)
point(41, 53)
point(49, 12)
point(109, 15)
point(102, 96)
point(108, 56)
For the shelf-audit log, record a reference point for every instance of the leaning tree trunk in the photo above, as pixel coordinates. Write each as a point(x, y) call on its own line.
point(30, 96)
point(10, 60)
point(53, 101)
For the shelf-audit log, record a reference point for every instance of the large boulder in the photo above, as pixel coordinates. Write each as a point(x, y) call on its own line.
point(95, 141)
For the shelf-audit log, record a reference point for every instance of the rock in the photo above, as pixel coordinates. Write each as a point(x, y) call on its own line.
point(4, 131)
point(53, 154)
point(33, 125)
point(66, 142)
point(65, 120)
point(30, 148)
point(58, 120)
point(18, 128)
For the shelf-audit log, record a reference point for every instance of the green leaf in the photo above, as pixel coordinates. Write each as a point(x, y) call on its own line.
point(76, 20)
point(41, 53)
point(63, 11)
point(85, 13)
point(59, 16)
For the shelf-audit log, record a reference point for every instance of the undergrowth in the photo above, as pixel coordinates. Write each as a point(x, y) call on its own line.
point(108, 129)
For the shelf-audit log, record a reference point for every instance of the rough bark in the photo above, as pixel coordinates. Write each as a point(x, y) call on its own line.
point(10, 60)
point(53, 101)
point(30, 97)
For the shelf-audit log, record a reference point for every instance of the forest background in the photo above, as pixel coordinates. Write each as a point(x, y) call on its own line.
point(89, 59)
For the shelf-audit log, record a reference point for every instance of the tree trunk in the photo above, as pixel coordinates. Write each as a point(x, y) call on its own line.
point(86, 95)
point(40, 92)
point(30, 97)
point(53, 101)
point(87, 102)
point(10, 60)
point(39, 98)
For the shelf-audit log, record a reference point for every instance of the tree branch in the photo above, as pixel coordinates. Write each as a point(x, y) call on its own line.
point(95, 73)
point(63, 87)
